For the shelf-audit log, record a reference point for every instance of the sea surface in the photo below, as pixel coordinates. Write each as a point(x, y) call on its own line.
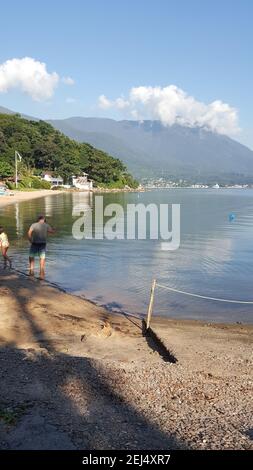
point(215, 256)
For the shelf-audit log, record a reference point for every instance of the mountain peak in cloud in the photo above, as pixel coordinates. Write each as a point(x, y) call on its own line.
point(172, 105)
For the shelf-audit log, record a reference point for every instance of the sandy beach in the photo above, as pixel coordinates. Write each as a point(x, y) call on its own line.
point(74, 376)
point(19, 196)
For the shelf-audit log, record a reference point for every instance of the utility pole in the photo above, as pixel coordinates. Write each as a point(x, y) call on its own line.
point(17, 157)
point(16, 170)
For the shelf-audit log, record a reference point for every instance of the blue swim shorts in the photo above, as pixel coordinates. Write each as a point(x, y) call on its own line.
point(37, 249)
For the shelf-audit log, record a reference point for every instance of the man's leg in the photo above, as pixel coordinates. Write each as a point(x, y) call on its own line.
point(42, 254)
point(42, 267)
point(31, 265)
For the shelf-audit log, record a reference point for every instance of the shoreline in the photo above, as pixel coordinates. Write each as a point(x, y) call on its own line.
point(20, 196)
point(157, 319)
point(70, 354)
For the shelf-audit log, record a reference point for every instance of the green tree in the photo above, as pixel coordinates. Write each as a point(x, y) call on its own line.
point(6, 171)
point(45, 149)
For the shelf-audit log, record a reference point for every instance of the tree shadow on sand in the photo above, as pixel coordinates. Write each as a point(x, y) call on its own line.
point(61, 401)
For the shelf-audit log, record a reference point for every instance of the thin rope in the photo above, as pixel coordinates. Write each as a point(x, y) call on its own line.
point(204, 296)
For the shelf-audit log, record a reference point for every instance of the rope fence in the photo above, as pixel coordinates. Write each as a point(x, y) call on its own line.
point(204, 296)
point(178, 291)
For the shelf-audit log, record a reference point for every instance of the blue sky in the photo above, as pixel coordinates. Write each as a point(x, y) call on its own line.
point(108, 47)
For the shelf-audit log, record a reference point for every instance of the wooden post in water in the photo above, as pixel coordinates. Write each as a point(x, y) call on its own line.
point(151, 302)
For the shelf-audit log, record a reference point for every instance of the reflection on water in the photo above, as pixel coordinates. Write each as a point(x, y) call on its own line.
point(215, 257)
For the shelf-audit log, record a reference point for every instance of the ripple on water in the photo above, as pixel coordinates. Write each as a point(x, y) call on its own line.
point(215, 256)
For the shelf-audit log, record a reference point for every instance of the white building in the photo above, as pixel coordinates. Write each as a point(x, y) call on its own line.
point(53, 180)
point(82, 182)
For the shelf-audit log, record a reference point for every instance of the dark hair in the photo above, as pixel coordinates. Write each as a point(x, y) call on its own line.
point(41, 217)
point(1, 228)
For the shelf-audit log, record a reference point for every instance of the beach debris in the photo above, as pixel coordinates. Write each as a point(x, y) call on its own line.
point(106, 329)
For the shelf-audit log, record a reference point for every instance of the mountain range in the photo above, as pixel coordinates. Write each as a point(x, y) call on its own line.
point(148, 148)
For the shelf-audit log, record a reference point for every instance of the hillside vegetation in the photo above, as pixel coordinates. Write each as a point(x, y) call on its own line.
point(44, 148)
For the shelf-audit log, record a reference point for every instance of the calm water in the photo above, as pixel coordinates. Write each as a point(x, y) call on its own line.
point(215, 257)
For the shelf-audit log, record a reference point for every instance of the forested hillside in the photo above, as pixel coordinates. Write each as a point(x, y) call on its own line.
point(44, 148)
point(149, 148)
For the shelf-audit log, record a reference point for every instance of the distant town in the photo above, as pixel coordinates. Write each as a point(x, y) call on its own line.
point(163, 183)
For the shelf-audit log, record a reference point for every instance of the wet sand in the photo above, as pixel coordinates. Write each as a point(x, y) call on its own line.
point(74, 376)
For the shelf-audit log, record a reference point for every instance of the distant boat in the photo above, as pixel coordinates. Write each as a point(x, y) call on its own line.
point(216, 186)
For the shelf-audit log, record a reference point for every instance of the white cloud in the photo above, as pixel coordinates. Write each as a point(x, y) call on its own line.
point(172, 105)
point(104, 103)
point(70, 100)
point(68, 80)
point(30, 76)
point(121, 103)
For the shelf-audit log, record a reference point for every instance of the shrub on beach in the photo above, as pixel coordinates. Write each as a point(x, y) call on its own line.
point(10, 185)
point(33, 182)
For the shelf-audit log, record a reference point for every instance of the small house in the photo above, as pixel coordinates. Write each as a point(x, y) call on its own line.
point(82, 182)
point(53, 180)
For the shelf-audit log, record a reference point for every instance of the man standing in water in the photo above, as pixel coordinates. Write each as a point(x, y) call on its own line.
point(37, 235)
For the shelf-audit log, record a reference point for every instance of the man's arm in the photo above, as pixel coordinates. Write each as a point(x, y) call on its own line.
point(30, 231)
point(51, 230)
